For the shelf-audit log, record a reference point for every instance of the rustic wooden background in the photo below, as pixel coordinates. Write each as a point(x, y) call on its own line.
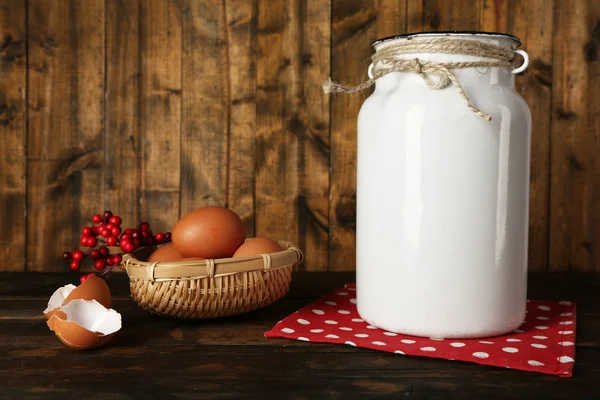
point(154, 108)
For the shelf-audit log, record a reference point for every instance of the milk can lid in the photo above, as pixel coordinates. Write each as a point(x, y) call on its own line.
point(446, 33)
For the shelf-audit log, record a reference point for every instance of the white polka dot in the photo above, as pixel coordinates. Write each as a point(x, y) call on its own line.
point(399, 352)
point(303, 321)
point(316, 330)
point(303, 339)
point(371, 327)
point(435, 338)
point(518, 331)
point(457, 344)
point(390, 334)
point(342, 293)
point(352, 289)
point(331, 322)
point(510, 350)
point(350, 343)
point(540, 337)
point(318, 312)
point(565, 322)
point(378, 343)
point(565, 303)
point(361, 335)
point(480, 354)
point(485, 342)
point(331, 303)
point(565, 359)
point(566, 314)
point(407, 341)
point(288, 330)
point(565, 332)
point(332, 336)
point(429, 348)
point(345, 312)
point(542, 318)
point(544, 308)
point(357, 320)
point(345, 328)
point(534, 363)
point(541, 327)
point(538, 345)
point(353, 301)
point(566, 343)
point(513, 340)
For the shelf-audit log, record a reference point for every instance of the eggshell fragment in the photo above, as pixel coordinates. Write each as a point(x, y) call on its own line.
point(256, 246)
point(83, 324)
point(93, 288)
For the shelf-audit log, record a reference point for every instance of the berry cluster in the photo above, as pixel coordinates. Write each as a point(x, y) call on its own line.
point(108, 232)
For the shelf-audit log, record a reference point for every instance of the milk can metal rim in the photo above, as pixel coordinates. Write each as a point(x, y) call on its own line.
point(446, 33)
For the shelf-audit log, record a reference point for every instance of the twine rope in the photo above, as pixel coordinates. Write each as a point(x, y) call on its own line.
point(435, 75)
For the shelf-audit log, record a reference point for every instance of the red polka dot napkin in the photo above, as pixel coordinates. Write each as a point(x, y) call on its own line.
point(544, 343)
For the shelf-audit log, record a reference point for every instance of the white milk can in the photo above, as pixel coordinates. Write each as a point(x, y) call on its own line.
point(443, 187)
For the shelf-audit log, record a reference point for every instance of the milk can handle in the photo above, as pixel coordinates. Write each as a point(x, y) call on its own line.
point(515, 71)
point(525, 64)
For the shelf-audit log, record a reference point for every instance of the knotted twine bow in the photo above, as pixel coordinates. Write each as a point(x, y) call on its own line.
point(387, 60)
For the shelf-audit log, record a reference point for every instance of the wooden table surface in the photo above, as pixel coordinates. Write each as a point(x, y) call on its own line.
point(154, 357)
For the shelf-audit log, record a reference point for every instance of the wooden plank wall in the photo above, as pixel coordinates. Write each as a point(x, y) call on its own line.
point(155, 107)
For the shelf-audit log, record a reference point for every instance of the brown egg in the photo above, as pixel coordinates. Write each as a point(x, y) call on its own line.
point(256, 246)
point(166, 253)
point(83, 324)
point(93, 288)
point(209, 232)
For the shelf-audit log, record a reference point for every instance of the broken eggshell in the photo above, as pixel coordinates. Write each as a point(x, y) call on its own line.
point(93, 288)
point(84, 324)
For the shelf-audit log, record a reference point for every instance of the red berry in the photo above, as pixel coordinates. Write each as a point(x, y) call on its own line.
point(97, 218)
point(83, 241)
point(95, 231)
point(84, 278)
point(111, 241)
point(107, 215)
point(145, 234)
point(144, 226)
point(160, 237)
point(116, 231)
point(168, 237)
point(130, 230)
point(125, 236)
point(96, 254)
point(116, 259)
point(99, 264)
point(109, 226)
point(116, 220)
point(137, 242)
point(67, 255)
point(87, 231)
point(104, 251)
point(128, 247)
point(135, 234)
point(74, 265)
point(106, 233)
point(78, 255)
point(92, 241)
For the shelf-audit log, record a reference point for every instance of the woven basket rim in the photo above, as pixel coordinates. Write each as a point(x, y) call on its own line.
point(211, 268)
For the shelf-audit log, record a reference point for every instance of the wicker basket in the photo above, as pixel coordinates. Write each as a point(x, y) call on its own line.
point(210, 288)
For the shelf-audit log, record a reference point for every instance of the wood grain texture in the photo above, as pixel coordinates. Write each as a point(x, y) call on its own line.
point(13, 135)
point(572, 146)
point(152, 108)
point(353, 32)
point(279, 90)
point(241, 46)
point(154, 357)
point(123, 136)
point(205, 100)
point(531, 23)
point(310, 123)
point(161, 59)
point(65, 125)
